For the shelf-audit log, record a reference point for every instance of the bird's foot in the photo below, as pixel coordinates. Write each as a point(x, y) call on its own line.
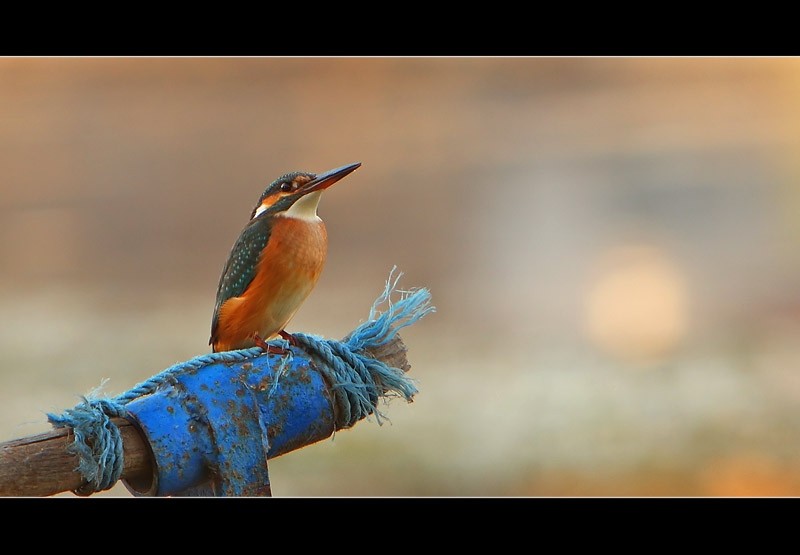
point(288, 337)
point(271, 349)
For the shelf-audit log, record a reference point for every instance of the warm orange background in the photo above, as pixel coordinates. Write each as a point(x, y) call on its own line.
point(612, 245)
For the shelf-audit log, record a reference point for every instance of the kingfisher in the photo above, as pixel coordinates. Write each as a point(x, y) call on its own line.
point(274, 264)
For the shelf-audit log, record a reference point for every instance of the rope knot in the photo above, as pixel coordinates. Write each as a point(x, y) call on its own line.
point(98, 443)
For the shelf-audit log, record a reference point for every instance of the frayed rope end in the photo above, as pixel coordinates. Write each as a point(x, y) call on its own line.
point(381, 327)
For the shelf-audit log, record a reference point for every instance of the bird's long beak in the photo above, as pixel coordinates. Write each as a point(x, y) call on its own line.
point(325, 180)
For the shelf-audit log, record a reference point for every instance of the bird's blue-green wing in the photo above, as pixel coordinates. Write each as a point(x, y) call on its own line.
point(240, 269)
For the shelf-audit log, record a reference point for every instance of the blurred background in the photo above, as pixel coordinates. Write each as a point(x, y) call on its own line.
point(612, 246)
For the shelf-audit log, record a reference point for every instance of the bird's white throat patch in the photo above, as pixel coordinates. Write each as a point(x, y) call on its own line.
point(305, 208)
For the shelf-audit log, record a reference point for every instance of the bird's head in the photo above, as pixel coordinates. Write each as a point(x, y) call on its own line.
point(297, 194)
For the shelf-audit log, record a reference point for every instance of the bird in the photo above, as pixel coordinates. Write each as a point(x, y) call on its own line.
point(274, 264)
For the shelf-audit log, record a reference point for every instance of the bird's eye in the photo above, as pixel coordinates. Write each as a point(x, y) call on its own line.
point(286, 186)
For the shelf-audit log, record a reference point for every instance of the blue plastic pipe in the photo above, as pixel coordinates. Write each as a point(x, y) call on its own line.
point(212, 430)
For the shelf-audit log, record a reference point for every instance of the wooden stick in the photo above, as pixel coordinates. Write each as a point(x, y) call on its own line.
point(40, 465)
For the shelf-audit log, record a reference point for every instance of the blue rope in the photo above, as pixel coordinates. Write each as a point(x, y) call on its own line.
point(358, 379)
point(357, 384)
point(97, 442)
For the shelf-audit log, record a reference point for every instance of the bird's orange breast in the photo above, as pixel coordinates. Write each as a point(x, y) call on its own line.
point(288, 270)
